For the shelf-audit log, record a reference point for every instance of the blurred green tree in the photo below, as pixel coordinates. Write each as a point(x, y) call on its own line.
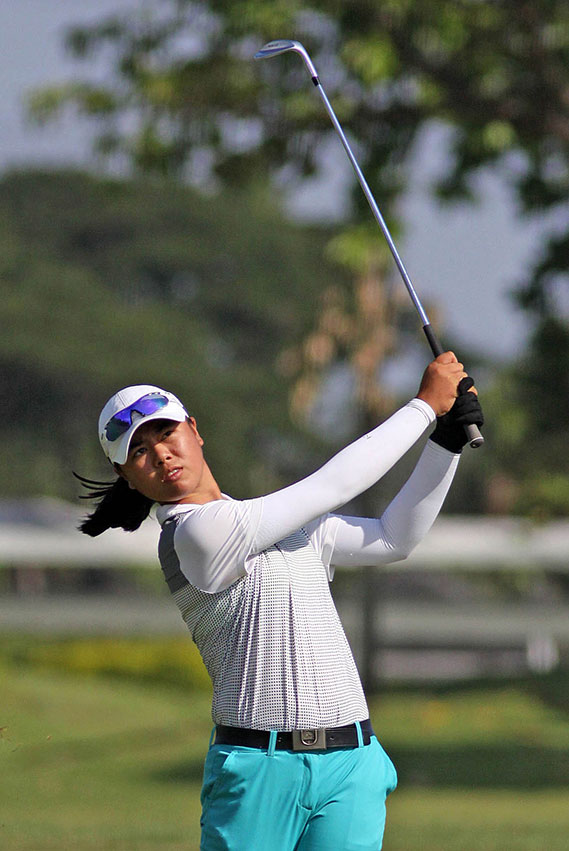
point(527, 471)
point(108, 282)
point(187, 99)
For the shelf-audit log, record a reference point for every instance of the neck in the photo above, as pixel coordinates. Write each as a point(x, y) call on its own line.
point(208, 490)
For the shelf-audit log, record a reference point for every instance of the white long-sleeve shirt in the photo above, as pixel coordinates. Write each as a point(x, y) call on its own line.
point(251, 577)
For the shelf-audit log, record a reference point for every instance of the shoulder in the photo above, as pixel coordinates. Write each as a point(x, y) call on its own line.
point(212, 542)
point(216, 521)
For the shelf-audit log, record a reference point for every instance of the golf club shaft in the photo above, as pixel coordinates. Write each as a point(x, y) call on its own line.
point(474, 436)
point(371, 200)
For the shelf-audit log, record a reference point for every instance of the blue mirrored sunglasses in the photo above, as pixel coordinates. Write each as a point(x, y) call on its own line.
point(122, 421)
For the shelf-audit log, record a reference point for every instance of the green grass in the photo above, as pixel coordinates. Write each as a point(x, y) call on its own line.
point(114, 764)
point(475, 820)
point(479, 770)
point(89, 763)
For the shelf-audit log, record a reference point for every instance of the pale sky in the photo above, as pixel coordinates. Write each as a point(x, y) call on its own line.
point(465, 258)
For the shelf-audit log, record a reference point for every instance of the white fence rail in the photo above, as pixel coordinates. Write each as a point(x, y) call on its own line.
point(397, 637)
point(43, 533)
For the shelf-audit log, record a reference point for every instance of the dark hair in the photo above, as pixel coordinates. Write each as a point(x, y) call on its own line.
point(118, 506)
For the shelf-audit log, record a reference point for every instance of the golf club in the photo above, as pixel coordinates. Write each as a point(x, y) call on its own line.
point(275, 48)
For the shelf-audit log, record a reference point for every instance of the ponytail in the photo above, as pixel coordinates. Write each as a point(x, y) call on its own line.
point(118, 506)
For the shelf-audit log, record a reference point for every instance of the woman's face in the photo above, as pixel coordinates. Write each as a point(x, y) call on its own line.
point(165, 462)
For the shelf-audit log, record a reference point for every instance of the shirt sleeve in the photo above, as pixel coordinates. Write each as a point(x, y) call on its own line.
point(214, 542)
point(217, 542)
point(349, 473)
point(357, 541)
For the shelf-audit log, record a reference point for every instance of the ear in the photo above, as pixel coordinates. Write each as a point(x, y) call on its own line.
point(194, 427)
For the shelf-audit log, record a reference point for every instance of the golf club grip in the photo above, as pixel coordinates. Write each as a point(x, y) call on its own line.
point(473, 433)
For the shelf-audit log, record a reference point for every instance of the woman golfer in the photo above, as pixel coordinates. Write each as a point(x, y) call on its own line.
point(293, 763)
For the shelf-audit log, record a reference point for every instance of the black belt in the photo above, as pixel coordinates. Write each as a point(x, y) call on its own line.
point(297, 740)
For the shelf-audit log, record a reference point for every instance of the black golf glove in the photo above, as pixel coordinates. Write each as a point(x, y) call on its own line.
point(449, 432)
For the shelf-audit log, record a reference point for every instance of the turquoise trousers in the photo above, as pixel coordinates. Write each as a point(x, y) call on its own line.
point(277, 800)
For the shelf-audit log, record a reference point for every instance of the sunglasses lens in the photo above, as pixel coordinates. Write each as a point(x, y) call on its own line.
point(122, 421)
point(115, 428)
point(148, 405)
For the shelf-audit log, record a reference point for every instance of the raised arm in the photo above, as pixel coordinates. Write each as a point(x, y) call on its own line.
point(358, 541)
point(216, 540)
point(361, 464)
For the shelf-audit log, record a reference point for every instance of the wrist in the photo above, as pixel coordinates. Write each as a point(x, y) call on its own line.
point(435, 403)
point(454, 449)
point(449, 435)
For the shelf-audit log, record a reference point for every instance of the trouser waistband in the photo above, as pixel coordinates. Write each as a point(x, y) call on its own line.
point(297, 740)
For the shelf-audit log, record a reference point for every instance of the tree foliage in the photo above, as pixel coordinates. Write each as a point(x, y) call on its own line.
point(187, 99)
point(108, 283)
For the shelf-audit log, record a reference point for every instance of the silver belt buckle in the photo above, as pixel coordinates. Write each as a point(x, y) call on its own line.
point(309, 740)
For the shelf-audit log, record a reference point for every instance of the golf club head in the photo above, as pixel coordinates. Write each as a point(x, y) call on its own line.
point(275, 48)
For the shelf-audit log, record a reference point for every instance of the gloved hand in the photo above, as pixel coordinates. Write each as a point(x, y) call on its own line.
point(449, 432)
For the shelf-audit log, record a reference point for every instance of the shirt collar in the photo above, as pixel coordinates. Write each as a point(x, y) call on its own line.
point(164, 512)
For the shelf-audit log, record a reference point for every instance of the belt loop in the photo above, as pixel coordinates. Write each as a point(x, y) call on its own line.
point(211, 738)
point(359, 733)
point(272, 743)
